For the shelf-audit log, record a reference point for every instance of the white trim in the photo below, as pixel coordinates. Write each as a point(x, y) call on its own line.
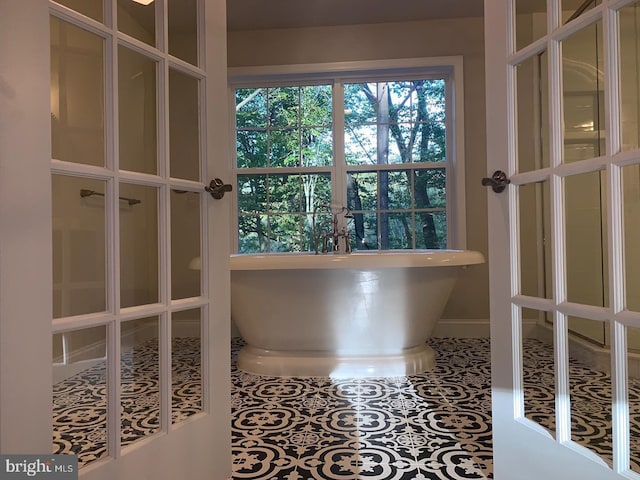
point(595, 356)
point(462, 328)
point(403, 66)
point(25, 229)
point(459, 236)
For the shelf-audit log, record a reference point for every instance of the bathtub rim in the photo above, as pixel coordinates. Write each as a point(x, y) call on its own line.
point(357, 260)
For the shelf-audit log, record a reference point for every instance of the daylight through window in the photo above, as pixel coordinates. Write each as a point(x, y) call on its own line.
point(376, 153)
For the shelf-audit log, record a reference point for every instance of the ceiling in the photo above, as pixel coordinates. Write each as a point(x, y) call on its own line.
point(272, 14)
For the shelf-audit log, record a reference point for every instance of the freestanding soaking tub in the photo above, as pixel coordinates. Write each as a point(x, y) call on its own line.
point(354, 315)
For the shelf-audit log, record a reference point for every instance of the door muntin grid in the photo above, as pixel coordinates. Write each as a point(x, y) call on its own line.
point(112, 163)
point(593, 116)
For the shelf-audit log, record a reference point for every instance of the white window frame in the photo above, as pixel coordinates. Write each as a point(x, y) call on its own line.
point(448, 68)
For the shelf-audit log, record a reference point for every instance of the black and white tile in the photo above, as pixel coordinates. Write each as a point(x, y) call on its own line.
point(426, 426)
point(436, 425)
point(80, 401)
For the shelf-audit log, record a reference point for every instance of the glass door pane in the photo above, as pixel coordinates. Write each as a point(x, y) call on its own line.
point(185, 244)
point(538, 376)
point(572, 9)
point(590, 395)
point(138, 126)
point(79, 249)
point(585, 233)
point(139, 379)
point(90, 8)
point(633, 369)
point(629, 39)
point(583, 84)
point(184, 123)
point(138, 19)
point(77, 94)
point(531, 21)
point(631, 202)
point(186, 363)
point(183, 30)
point(532, 113)
point(80, 393)
point(534, 221)
point(138, 245)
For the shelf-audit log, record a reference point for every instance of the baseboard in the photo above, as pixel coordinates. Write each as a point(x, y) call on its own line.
point(595, 356)
point(462, 328)
point(91, 354)
point(474, 328)
point(186, 328)
point(63, 371)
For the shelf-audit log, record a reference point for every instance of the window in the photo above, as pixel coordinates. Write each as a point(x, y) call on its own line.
point(376, 151)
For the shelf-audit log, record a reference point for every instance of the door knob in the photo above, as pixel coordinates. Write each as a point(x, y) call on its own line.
point(217, 188)
point(498, 181)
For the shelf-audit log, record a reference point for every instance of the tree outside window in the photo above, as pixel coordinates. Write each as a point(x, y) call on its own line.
point(393, 163)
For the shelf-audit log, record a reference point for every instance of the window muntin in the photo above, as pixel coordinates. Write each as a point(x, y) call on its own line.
point(412, 214)
point(395, 122)
point(275, 211)
point(284, 126)
point(392, 168)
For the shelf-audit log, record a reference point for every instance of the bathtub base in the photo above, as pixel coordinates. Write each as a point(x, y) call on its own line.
point(410, 361)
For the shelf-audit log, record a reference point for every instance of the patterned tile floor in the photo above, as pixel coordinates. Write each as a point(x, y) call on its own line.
point(431, 426)
point(80, 405)
point(436, 425)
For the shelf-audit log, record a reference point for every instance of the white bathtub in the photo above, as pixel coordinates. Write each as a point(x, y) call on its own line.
point(353, 315)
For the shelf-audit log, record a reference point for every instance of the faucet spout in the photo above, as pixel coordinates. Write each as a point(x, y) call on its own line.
point(339, 236)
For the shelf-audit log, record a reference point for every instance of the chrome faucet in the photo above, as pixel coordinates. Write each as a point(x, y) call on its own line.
point(339, 236)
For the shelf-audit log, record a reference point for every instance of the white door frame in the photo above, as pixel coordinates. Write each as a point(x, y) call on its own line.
point(25, 228)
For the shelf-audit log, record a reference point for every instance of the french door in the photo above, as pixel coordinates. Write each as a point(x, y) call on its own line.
point(562, 124)
point(113, 123)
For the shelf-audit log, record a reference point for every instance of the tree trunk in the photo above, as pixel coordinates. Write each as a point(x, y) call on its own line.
point(358, 218)
point(260, 232)
point(383, 100)
point(309, 188)
point(421, 194)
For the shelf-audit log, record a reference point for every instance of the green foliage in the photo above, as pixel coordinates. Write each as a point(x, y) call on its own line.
point(385, 123)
